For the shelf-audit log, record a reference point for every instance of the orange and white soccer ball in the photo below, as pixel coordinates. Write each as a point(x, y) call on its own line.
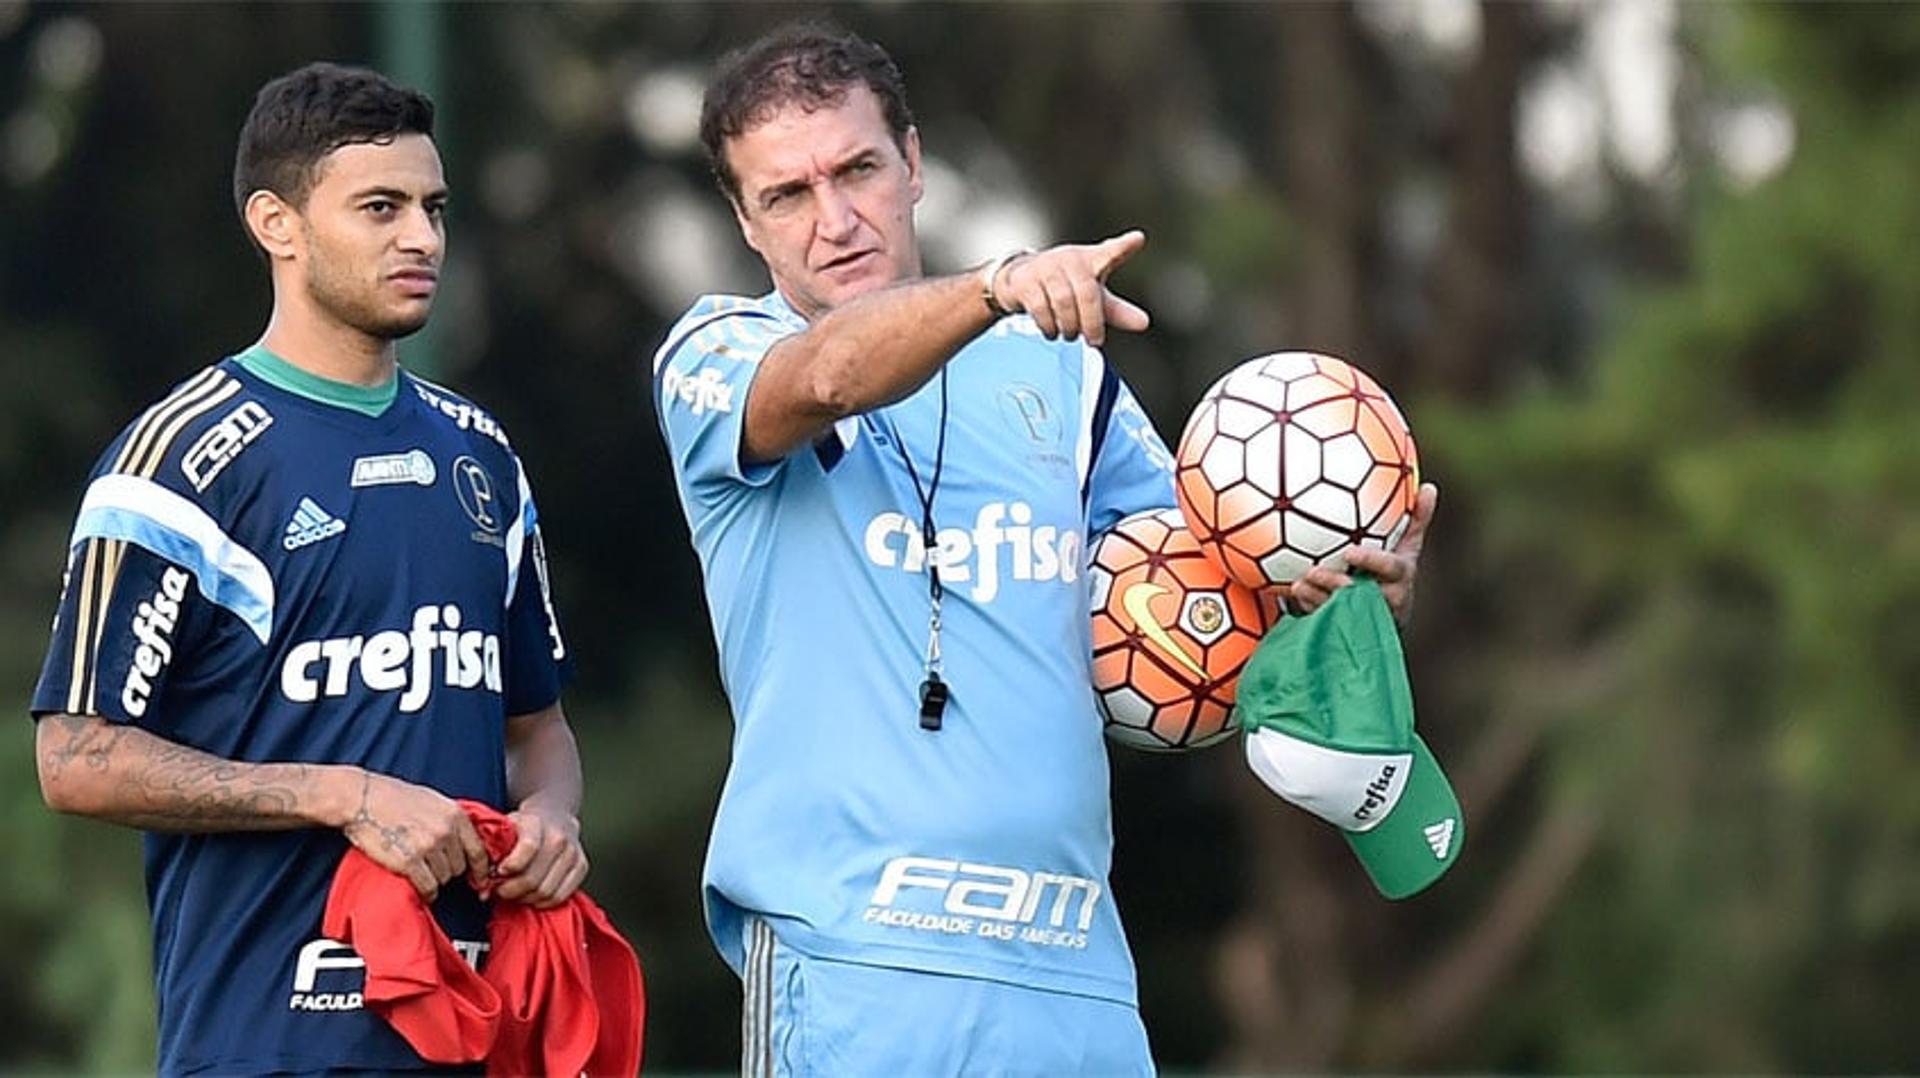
point(1289, 460)
point(1170, 634)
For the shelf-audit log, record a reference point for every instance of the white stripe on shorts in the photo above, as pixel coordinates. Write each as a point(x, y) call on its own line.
point(756, 1008)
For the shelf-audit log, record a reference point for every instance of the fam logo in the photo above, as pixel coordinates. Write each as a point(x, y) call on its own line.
point(1026, 411)
point(217, 448)
point(479, 497)
point(989, 901)
point(330, 976)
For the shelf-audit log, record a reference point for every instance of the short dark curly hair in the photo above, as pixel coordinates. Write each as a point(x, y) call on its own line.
point(304, 115)
point(811, 64)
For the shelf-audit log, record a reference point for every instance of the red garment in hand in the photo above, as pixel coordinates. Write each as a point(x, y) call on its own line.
point(562, 992)
point(570, 992)
point(415, 979)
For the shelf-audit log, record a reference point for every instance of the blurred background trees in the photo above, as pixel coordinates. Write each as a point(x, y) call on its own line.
point(1639, 272)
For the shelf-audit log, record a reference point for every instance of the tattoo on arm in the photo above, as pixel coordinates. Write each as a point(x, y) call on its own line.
point(393, 837)
point(85, 741)
point(149, 782)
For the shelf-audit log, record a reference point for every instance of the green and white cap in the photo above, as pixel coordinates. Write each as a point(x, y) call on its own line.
point(1328, 716)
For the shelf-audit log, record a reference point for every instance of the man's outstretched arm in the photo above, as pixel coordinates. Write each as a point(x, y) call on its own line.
point(878, 348)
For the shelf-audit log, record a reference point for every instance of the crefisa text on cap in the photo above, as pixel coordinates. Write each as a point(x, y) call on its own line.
point(1376, 792)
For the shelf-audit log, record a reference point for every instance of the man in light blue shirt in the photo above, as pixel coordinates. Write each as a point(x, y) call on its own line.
point(891, 482)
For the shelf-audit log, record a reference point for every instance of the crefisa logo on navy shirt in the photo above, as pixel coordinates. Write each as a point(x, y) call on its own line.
point(396, 661)
point(153, 624)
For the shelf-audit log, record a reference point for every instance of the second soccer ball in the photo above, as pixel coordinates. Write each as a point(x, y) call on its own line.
point(1170, 634)
point(1288, 460)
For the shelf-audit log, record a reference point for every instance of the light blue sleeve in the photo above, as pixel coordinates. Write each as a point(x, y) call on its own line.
point(701, 379)
point(1134, 470)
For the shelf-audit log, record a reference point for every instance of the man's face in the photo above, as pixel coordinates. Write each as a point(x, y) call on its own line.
point(826, 200)
point(374, 236)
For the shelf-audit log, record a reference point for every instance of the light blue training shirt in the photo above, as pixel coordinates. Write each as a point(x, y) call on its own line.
point(980, 849)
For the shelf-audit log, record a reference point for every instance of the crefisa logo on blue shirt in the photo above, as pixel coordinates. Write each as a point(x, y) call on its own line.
point(702, 391)
point(1041, 553)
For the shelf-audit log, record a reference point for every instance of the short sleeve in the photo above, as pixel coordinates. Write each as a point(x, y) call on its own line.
point(127, 617)
point(700, 384)
point(537, 663)
point(1132, 469)
point(147, 568)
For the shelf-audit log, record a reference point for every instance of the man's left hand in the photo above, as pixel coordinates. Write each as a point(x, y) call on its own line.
point(1394, 569)
point(547, 864)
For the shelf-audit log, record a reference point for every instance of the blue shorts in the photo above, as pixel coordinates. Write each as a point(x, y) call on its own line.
point(814, 1016)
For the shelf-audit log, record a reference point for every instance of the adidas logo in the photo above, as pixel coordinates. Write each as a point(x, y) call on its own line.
point(1440, 838)
point(310, 524)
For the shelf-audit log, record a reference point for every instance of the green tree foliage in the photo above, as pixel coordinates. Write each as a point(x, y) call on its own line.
point(1706, 546)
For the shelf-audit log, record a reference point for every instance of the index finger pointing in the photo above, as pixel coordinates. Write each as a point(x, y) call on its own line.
point(1117, 249)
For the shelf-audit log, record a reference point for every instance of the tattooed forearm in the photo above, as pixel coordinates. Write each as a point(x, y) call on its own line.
point(393, 837)
point(84, 742)
point(122, 773)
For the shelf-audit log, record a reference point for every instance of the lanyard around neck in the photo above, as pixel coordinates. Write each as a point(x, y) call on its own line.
point(934, 692)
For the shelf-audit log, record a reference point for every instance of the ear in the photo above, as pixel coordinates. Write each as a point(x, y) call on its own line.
point(916, 180)
point(747, 231)
point(275, 225)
